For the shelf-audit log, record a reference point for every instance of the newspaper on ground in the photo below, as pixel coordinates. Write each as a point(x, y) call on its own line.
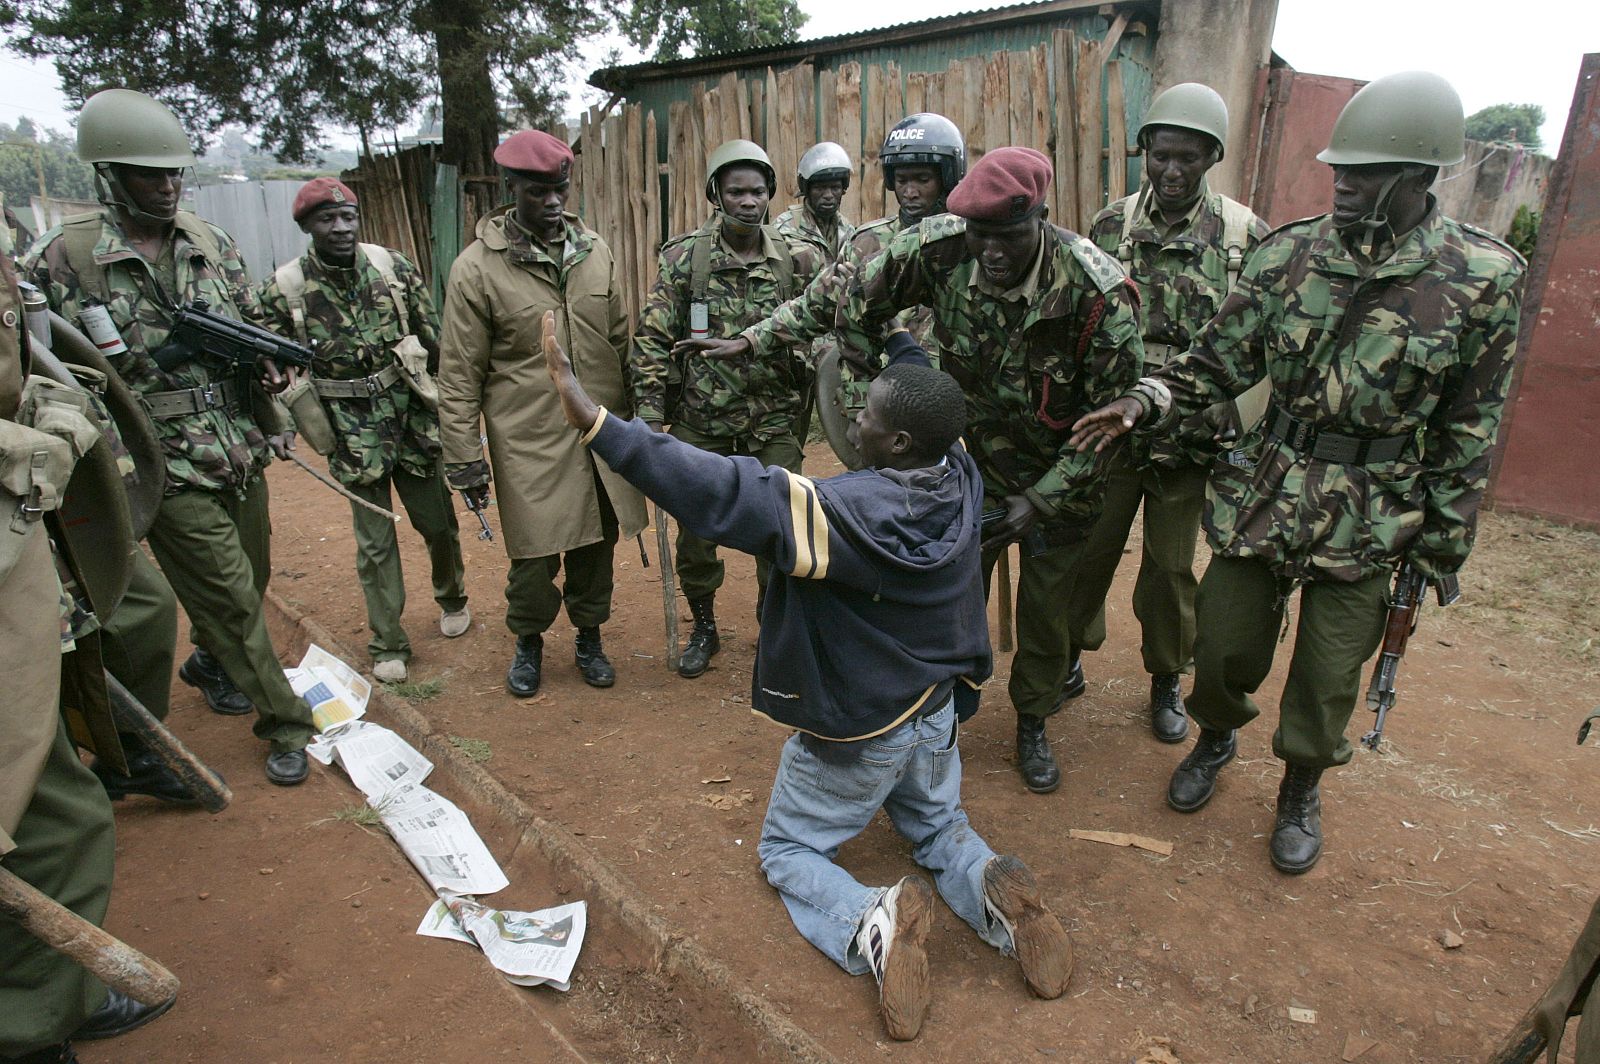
point(336, 693)
point(440, 841)
point(530, 949)
point(376, 759)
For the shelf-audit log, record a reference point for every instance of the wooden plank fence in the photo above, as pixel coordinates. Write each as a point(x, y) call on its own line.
point(1065, 98)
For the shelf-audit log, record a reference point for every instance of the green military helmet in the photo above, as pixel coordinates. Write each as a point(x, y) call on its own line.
point(1410, 117)
point(731, 152)
point(1190, 105)
point(124, 126)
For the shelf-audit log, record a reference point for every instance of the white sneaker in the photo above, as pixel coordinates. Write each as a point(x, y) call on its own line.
point(893, 938)
point(455, 622)
point(391, 671)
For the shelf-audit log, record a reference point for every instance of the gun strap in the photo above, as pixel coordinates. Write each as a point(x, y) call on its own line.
point(219, 395)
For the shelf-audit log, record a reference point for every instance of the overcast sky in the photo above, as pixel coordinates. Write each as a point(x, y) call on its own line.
point(1526, 52)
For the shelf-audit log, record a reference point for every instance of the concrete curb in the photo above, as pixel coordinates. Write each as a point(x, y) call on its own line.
point(675, 952)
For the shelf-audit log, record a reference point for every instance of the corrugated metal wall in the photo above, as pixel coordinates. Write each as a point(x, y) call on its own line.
point(257, 215)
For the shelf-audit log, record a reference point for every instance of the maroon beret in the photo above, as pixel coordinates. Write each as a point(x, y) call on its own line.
point(537, 154)
point(321, 192)
point(1007, 185)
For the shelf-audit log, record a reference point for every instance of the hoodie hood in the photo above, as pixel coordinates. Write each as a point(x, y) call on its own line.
point(916, 520)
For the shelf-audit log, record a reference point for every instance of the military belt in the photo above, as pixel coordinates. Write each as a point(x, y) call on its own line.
point(218, 395)
point(1303, 437)
point(361, 387)
point(1163, 352)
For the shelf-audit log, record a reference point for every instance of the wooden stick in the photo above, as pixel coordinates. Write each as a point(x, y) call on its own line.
point(1524, 1044)
point(205, 785)
point(109, 959)
point(340, 488)
point(669, 589)
point(1003, 573)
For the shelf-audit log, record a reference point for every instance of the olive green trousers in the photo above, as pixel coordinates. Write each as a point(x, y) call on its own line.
point(1039, 667)
point(65, 844)
point(432, 513)
point(214, 550)
point(1163, 593)
point(532, 598)
point(139, 640)
point(1239, 613)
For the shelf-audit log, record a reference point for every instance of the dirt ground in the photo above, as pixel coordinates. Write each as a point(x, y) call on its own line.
point(1459, 862)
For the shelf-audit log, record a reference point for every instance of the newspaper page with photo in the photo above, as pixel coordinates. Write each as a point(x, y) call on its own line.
point(529, 948)
point(440, 841)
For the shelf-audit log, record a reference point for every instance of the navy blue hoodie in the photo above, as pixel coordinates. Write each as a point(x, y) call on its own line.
point(874, 611)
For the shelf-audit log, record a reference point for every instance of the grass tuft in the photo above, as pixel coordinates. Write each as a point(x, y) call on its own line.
point(475, 749)
point(418, 690)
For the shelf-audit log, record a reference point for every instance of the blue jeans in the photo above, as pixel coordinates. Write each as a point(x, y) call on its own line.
point(914, 774)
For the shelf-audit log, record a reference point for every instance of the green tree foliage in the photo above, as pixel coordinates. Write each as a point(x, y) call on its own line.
point(1524, 232)
point(30, 157)
point(288, 70)
point(706, 27)
point(1508, 123)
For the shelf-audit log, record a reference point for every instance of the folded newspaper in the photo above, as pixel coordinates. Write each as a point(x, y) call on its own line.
point(336, 693)
point(376, 759)
point(530, 949)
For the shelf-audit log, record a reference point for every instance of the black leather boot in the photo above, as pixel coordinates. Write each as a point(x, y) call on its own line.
point(147, 774)
point(591, 659)
point(1297, 836)
point(60, 1053)
point(1196, 775)
point(523, 677)
point(205, 672)
point(1075, 684)
point(1167, 718)
point(703, 641)
point(1034, 760)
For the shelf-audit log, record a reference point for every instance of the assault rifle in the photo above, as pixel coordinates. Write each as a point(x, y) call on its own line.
point(222, 342)
point(1404, 605)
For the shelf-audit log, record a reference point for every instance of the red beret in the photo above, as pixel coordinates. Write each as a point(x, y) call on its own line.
point(1007, 185)
point(319, 192)
point(537, 154)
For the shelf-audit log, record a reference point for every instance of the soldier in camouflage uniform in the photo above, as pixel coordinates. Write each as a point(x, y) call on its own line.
point(823, 177)
point(337, 300)
point(1038, 325)
point(139, 256)
point(1387, 331)
point(724, 277)
point(1183, 245)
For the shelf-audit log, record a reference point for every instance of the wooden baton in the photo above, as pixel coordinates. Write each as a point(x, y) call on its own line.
point(669, 588)
point(108, 958)
point(1003, 599)
point(204, 784)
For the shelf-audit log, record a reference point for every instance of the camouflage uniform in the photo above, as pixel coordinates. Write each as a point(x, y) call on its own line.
point(390, 439)
point(798, 223)
point(748, 407)
point(211, 533)
point(1182, 274)
point(1413, 351)
point(1031, 361)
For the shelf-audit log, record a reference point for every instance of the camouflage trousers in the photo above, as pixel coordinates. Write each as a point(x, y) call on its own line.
point(431, 510)
point(213, 548)
point(700, 571)
point(138, 642)
point(1239, 613)
point(1039, 667)
point(532, 598)
point(65, 845)
point(1163, 594)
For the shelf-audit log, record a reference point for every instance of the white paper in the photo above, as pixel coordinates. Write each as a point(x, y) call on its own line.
point(529, 948)
point(440, 841)
point(376, 759)
point(336, 693)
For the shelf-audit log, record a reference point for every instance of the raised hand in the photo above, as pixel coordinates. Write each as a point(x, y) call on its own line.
point(579, 409)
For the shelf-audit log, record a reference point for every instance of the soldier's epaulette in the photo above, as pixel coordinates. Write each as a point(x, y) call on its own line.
point(941, 227)
point(874, 225)
point(1290, 225)
point(1102, 269)
point(1497, 242)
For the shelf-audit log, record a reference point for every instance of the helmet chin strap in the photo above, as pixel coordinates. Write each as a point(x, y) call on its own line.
point(740, 228)
point(1367, 227)
point(109, 190)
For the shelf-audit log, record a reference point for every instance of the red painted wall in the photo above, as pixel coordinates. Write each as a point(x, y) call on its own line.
point(1549, 460)
point(1301, 110)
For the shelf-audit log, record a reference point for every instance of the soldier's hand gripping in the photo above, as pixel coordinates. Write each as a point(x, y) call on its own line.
point(579, 409)
point(738, 347)
point(272, 381)
point(1021, 516)
point(282, 444)
point(1099, 427)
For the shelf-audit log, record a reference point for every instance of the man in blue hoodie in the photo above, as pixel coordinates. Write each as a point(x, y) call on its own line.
point(874, 639)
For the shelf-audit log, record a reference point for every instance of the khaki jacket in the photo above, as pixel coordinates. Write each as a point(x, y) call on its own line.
point(491, 367)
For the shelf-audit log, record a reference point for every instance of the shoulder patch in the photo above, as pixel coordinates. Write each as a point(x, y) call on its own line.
point(941, 226)
point(1102, 269)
